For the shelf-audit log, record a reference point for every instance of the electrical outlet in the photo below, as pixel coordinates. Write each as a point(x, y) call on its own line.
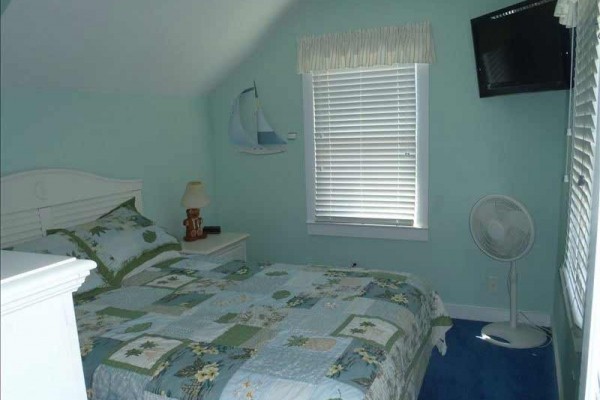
point(492, 284)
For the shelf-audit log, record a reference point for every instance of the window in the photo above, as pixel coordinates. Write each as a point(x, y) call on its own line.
point(583, 163)
point(366, 152)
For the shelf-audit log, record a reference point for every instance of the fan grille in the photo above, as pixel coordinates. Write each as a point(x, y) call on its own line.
point(501, 227)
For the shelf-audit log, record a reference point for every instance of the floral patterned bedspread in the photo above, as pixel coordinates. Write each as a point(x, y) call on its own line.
point(192, 329)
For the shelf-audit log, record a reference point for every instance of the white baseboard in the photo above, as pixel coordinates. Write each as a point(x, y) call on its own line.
point(491, 314)
point(558, 369)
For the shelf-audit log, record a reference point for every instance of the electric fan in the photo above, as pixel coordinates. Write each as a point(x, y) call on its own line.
point(503, 229)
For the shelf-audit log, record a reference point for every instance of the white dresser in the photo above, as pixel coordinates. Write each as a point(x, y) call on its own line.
point(40, 348)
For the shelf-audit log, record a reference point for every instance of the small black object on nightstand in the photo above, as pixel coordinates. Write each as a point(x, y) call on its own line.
point(212, 229)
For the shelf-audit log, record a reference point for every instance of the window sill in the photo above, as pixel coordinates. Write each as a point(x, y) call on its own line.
point(368, 231)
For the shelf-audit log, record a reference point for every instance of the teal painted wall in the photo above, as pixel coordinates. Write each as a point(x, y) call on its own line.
point(162, 140)
point(512, 145)
point(3, 5)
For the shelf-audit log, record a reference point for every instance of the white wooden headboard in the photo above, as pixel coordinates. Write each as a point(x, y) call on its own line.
point(38, 200)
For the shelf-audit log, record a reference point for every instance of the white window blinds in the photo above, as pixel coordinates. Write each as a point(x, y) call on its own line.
point(584, 131)
point(365, 147)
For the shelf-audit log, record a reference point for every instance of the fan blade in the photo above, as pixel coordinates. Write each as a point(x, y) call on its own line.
point(501, 227)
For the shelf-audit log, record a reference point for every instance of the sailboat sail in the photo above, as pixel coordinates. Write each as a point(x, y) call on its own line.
point(263, 140)
point(237, 132)
point(266, 134)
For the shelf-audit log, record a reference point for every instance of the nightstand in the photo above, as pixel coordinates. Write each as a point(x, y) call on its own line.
point(226, 246)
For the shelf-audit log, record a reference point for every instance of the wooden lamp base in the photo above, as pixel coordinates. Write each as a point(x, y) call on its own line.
point(193, 225)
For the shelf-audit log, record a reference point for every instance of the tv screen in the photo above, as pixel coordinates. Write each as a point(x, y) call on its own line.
point(521, 48)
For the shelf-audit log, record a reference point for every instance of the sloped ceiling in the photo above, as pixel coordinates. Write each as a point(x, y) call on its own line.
point(172, 47)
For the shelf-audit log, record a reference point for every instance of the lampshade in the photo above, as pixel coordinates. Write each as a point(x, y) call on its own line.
point(194, 196)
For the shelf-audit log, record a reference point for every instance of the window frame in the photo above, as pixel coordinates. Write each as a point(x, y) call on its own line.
point(420, 230)
point(576, 264)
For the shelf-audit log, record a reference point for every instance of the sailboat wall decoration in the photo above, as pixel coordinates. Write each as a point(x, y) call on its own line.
point(261, 140)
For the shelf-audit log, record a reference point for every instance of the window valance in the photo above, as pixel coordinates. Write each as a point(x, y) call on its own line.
point(406, 44)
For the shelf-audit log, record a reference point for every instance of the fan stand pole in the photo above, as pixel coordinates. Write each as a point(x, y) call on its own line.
point(511, 334)
point(513, 295)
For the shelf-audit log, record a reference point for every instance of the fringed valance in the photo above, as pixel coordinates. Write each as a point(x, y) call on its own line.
point(405, 44)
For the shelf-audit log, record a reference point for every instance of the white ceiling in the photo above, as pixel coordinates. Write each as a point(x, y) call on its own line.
point(174, 47)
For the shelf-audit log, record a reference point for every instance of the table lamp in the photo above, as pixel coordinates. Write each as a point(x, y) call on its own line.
point(193, 199)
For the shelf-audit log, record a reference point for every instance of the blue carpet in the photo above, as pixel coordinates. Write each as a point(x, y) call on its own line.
point(473, 369)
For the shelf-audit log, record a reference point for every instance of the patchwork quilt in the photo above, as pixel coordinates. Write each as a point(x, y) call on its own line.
point(189, 328)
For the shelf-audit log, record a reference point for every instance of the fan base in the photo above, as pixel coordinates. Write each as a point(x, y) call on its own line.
point(521, 337)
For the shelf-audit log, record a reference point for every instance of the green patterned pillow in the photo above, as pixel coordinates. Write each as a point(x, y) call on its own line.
point(122, 241)
point(61, 244)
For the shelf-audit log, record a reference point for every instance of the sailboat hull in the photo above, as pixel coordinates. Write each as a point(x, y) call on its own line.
point(264, 150)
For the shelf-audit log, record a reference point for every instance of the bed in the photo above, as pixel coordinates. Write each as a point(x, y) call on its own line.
point(157, 324)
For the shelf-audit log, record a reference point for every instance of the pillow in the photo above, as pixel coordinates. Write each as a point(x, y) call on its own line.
point(58, 244)
point(61, 244)
point(167, 255)
point(121, 241)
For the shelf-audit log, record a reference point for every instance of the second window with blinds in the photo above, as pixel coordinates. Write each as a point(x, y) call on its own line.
point(367, 152)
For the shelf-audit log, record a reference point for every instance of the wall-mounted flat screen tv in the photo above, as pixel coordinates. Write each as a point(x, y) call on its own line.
point(521, 48)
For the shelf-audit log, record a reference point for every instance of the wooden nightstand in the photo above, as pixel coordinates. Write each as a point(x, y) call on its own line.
point(223, 247)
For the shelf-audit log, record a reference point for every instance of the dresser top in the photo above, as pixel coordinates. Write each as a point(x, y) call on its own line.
point(29, 278)
point(15, 264)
